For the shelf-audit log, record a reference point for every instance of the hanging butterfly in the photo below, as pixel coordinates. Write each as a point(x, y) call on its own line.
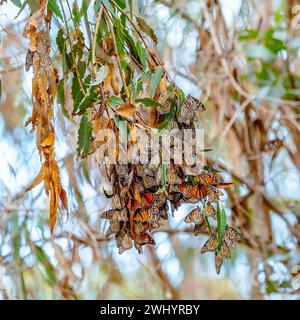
point(149, 226)
point(118, 202)
point(144, 238)
point(125, 244)
point(113, 228)
point(225, 251)
point(173, 188)
point(190, 200)
point(211, 244)
point(208, 178)
point(198, 190)
point(189, 109)
point(123, 215)
point(121, 170)
point(29, 60)
point(194, 216)
point(218, 262)
point(230, 236)
point(109, 214)
point(160, 200)
point(173, 175)
point(210, 211)
point(199, 227)
point(148, 198)
point(149, 182)
point(213, 195)
point(143, 215)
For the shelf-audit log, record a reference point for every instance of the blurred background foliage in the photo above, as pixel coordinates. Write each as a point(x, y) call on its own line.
point(242, 59)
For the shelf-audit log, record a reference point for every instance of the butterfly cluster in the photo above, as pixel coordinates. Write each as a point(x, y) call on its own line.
point(144, 193)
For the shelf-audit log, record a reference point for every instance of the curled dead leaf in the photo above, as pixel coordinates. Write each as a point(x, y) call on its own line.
point(48, 141)
point(126, 110)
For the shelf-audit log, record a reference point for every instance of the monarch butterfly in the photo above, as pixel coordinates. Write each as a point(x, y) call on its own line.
point(29, 60)
point(230, 236)
point(143, 215)
point(198, 190)
point(144, 238)
point(149, 182)
point(210, 211)
point(200, 227)
point(211, 244)
point(225, 251)
point(148, 198)
point(207, 178)
point(173, 188)
point(123, 215)
point(218, 262)
point(138, 247)
point(125, 244)
point(109, 214)
point(188, 110)
point(117, 202)
point(160, 200)
point(132, 205)
point(190, 200)
point(113, 228)
point(213, 195)
point(172, 175)
point(122, 170)
point(194, 216)
point(149, 226)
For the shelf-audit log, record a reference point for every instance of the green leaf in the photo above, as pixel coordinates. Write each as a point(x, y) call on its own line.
point(52, 5)
point(146, 29)
point(164, 171)
point(84, 8)
point(43, 259)
point(273, 44)
point(155, 79)
point(248, 34)
point(17, 3)
point(222, 222)
point(121, 3)
point(60, 41)
point(115, 101)
point(270, 287)
point(169, 117)
point(149, 102)
point(77, 94)
point(101, 75)
point(180, 94)
point(142, 55)
point(84, 136)
point(61, 97)
point(130, 43)
point(25, 3)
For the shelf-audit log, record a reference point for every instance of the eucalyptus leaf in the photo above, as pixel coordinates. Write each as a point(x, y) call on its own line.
point(155, 79)
point(101, 75)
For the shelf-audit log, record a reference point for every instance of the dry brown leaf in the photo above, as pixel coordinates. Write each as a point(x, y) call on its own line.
point(63, 198)
point(126, 110)
point(48, 141)
point(39, 178)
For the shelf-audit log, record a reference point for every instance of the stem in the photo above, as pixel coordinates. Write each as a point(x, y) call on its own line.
point(95, 40)
point(131, 22)
point(117, 52)
point(72, 53)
